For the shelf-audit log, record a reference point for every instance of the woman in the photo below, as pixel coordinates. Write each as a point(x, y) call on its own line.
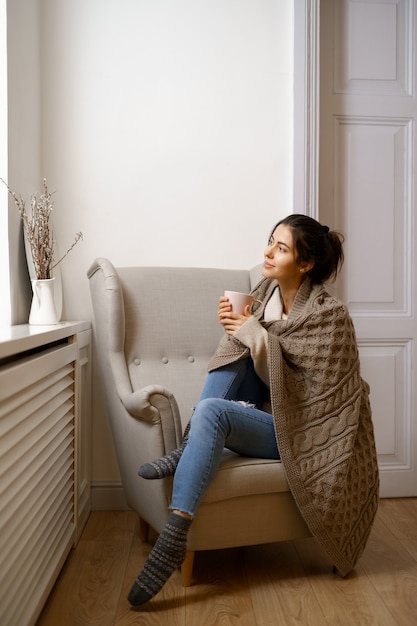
point(284, 383)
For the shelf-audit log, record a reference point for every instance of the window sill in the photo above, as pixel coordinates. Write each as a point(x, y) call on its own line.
point(23, 337)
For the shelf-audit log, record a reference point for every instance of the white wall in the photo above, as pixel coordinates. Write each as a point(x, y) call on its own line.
point(167, 135)
point(23, 166)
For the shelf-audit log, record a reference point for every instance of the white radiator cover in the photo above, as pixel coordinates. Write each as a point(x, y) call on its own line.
point(37, 478)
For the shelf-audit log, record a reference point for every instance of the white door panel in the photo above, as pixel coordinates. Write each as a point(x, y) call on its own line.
point(367, 164)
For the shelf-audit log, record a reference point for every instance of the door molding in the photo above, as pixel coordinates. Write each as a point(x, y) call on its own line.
point(306, 107)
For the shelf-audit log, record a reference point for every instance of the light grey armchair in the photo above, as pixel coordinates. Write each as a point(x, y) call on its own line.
point(155, 330)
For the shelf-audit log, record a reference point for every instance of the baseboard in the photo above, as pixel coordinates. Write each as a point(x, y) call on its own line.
point(108, 496)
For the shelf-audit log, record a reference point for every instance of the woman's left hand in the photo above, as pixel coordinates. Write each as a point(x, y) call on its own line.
point(229, 320)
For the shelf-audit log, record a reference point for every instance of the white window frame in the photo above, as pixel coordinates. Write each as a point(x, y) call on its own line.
point(5, 302)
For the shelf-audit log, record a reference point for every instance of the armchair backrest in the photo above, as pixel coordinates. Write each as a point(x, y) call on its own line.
point(164, 321)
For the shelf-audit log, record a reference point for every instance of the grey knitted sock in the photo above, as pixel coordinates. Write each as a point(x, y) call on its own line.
point(167, 554)
point(166, 465)
point(163, 467)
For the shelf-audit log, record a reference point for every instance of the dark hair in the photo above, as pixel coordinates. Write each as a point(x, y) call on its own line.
point(316, 244)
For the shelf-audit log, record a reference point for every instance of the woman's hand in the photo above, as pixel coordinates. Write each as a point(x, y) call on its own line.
point(229, 320)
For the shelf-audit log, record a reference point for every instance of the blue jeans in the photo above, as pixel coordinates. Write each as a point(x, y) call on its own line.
point(237, 381)
point(220, 422)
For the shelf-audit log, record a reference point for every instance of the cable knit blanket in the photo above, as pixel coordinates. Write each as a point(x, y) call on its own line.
point(322, 418)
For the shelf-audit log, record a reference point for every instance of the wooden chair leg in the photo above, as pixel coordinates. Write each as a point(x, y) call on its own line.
point(143, 530)
point(187, 568)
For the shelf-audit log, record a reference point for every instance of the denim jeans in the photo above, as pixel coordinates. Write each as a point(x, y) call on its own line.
point(237, 381)
point(220, 422)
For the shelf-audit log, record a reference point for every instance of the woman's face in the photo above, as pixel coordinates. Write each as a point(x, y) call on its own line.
point(280, 259)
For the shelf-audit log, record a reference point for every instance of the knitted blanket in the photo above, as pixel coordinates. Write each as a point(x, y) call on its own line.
point(322, 419)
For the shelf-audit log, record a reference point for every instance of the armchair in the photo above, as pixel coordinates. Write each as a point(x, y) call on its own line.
point(156, 328)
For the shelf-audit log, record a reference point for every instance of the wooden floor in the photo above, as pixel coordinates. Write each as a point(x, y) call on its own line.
point(271, 585)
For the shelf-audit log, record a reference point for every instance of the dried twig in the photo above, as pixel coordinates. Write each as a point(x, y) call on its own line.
point(78, 236)
point(38, 230)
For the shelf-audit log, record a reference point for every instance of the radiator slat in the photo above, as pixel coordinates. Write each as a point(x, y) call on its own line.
point(12, 403)
point(37, 490)
point(20, 422)
point(28, 555)
point(34, 578)
point(34, 443)
point(32, 368)
point(32, 603)
point(32, 508)
point(19, 490)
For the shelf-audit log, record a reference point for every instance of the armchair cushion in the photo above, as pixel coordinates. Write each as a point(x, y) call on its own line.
point(242, 476)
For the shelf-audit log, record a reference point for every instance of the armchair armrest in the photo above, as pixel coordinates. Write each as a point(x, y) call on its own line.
point(148, 403)
point(157, 406)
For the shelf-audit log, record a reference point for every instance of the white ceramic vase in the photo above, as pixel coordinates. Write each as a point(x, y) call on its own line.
point(43, 310)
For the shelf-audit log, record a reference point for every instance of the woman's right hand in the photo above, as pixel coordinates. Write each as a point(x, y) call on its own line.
point(224, 305)
point(229, 320)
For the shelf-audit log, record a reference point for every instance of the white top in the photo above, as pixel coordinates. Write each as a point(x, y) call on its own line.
point(274, 309)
